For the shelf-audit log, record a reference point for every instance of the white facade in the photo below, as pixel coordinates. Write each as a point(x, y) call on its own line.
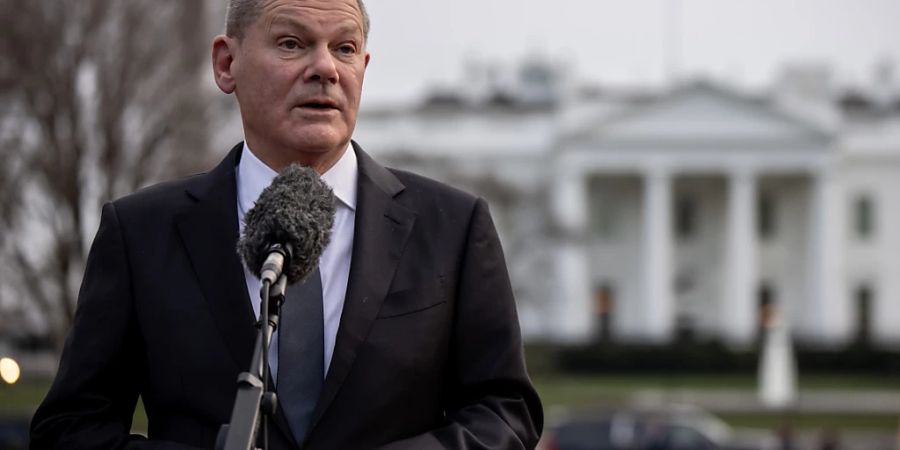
point(686, 212)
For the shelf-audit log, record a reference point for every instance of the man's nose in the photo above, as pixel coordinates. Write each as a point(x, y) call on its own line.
point(321, 66)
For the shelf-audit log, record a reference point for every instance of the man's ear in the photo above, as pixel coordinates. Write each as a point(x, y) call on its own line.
point(223, 51)
point(368, 57)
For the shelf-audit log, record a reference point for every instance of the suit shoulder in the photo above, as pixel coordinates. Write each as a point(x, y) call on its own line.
point(428, 189)
point(168, 196)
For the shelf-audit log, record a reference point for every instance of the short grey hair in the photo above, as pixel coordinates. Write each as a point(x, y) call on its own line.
point(242, 13)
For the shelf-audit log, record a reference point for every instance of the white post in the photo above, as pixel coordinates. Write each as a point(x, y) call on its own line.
point(657, 253)
point(573, 318)
point(777, 367)
point(738, 318)
point(827, 309)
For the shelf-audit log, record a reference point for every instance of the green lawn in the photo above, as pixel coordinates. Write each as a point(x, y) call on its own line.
point(608, 391)
point(579, 390)
point(570, 391)
point(867, 422)
point(21, 399)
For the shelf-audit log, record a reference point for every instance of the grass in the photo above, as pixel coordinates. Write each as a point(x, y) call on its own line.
point(581, 391)
point(23, 398)
point(577, 391)
point(858, 422)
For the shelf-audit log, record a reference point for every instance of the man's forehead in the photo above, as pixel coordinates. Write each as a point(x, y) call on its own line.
point(337, 7)
point(293, 21)
point(343, 14)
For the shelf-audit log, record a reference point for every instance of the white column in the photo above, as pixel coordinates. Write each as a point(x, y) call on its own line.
point(572, 306)
point(828, 308)
point(886, 284)
point(657, 256)
point(570, 206)
point(738, 317)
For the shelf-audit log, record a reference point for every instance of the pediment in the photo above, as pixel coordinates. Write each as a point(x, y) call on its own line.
point(702, 116)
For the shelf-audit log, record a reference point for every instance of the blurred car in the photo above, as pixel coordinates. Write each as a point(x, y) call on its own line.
point(678, 427)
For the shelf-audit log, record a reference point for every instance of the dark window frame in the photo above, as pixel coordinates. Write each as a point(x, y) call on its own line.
point(864, 216)
point(687, 217)
point(767, 216)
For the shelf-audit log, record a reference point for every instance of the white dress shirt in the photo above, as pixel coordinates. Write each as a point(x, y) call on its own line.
point(334, 264)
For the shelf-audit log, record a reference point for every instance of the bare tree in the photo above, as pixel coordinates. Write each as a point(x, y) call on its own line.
point(97, 98)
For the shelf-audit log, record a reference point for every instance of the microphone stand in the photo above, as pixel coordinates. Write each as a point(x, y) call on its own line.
point(253, 396)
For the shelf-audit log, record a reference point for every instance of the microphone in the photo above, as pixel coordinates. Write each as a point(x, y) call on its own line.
point(284, 234)
point(288, 227)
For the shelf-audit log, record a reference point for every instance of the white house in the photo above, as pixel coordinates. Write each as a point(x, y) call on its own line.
point(697, 211)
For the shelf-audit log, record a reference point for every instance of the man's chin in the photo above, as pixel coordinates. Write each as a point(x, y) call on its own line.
point(316, 136)
point(319, 141)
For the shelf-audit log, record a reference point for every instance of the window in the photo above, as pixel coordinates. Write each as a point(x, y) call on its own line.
point(604, 210)
point(686, 217)
point(863, 313)
point(865, 217)
point(603, 219)
point(604, 302)
point(767, 308)
point(683, 438)
point(766, 216)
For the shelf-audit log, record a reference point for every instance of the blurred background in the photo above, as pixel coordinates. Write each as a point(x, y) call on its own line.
point(696, 197)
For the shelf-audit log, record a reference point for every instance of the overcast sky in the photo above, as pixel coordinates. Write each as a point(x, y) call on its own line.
point(420, 43)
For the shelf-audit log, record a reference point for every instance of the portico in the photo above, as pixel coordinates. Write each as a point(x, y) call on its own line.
point(662, 223)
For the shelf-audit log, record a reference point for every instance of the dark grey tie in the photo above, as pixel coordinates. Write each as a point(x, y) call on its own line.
point(301, 365)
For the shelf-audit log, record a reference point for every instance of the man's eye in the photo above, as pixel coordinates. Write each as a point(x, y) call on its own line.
point(347, 49)
point(289, 44)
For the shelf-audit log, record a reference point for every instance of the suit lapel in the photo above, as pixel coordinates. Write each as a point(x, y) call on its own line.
point(210, 232)
point(382, 227)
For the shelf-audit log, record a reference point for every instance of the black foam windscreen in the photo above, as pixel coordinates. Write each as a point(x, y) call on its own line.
point(296, 210)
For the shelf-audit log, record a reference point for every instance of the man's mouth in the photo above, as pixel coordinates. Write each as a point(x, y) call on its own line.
point(319, 104)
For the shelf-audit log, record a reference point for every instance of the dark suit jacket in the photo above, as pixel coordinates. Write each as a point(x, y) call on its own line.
point(428, 351)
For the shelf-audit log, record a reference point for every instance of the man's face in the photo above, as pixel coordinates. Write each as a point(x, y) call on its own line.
point(298, 75)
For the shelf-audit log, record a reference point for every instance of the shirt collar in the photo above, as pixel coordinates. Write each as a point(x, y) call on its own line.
point(254, 176)
point(343, 177)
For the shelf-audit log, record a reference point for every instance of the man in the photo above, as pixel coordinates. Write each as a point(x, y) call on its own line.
point(418, 345)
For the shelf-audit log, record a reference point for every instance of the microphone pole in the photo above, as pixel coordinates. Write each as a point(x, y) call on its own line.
point(253, 395)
